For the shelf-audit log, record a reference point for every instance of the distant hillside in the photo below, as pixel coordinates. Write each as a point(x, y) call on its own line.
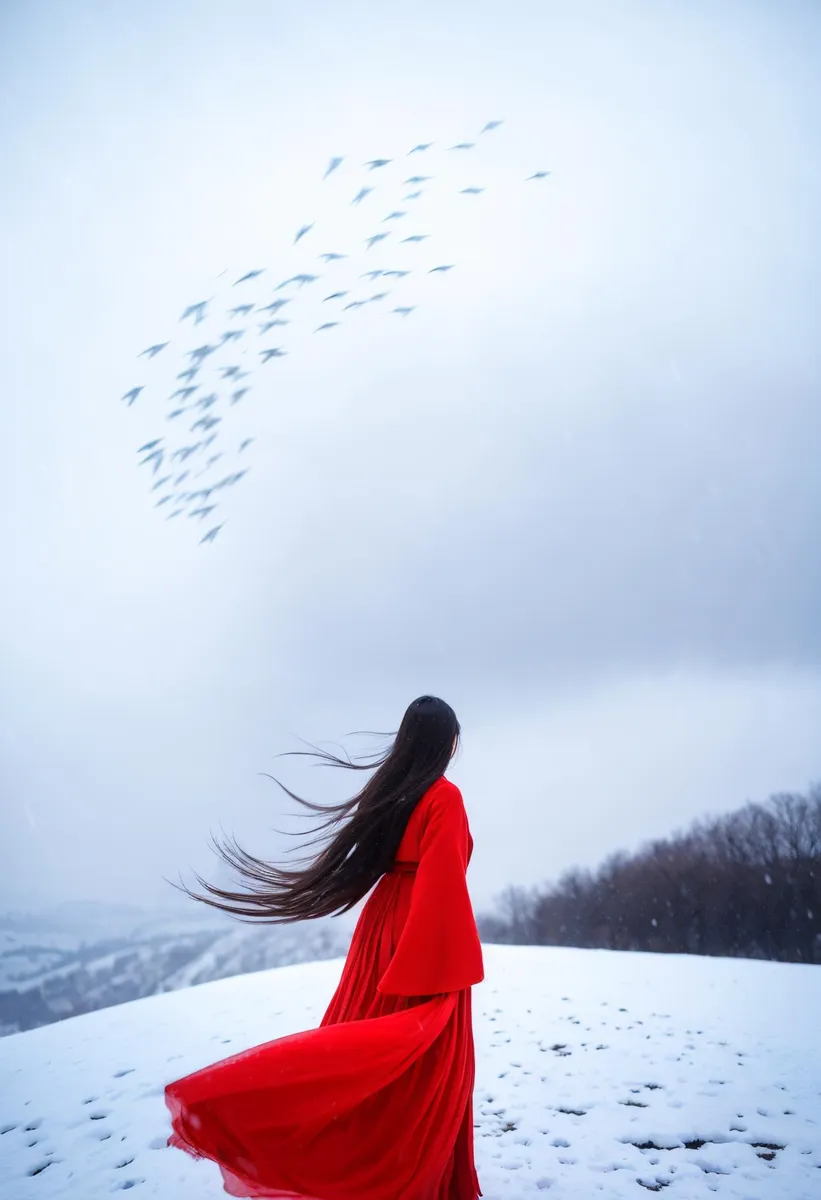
point(76, 958)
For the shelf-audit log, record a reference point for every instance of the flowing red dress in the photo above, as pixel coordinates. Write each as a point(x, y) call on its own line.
point(376, 1103)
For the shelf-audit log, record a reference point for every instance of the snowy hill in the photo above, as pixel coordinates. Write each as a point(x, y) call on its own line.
point(74, 959)
point(598, 1074)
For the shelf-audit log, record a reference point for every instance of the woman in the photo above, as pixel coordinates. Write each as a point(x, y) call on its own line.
point(375, 1104)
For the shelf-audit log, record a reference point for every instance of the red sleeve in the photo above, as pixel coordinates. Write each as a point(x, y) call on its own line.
point(438, 949)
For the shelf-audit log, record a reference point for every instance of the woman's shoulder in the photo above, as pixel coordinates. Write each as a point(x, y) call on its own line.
point(443, 793)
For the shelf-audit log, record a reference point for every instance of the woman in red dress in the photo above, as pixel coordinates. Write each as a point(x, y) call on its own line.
point(376, 1103)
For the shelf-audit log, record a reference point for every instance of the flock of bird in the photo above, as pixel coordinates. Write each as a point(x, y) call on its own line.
point(190, 473)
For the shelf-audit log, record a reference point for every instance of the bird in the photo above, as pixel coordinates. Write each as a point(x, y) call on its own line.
point(189, 373)
point(238, 394)
point(133, 394)
point(149, 446)
point(371, 275)
point(175, 513)
point(246, 443)
point(185, 452)
point(274, 306)
point(157, 457)
point(249, 275)
point(302, 231)
point(332, 257)
point(378, 296)
point(206, 423)
point(185, 392)
point(491, 125)
point(413, 195)
point(300, 279)
point(266, 325)
point(376, 163)
point(394, 216)
point(164, 500)
point(463, 146)
point(181, 478)
point(335, 296)
point(442, 269)
point(273, 353)
point(538, 175)
point(202, 512)
point(211, 534)
point(414, 179)
point(377, 237)
point(422, 146)
point(232, 335)
point(233, 372)
point(354, 304)
point(416, 237)
point(242, 310)
point(396, 274)
point(201, 352)
point(197, 311)
point(208, 401)
point(361, 194)
point(333, 165)
point(177, 412)
point(153, 351)
point(160, 482)
point(471, 191)
point(405, 309)
point(327, 325)
point(214, 458)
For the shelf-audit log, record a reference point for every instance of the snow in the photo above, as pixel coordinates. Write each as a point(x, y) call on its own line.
point(598, 1075)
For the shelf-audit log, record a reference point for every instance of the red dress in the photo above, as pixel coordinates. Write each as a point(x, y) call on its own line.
point(377, 1103)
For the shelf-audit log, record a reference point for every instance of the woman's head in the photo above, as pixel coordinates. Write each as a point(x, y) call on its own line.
point(364, 831)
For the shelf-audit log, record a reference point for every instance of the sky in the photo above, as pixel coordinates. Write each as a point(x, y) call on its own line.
point(575, 492)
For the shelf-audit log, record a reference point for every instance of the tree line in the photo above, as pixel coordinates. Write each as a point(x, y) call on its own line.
point(746, 884)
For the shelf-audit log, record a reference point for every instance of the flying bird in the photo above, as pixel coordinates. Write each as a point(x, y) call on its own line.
point(266, 325)
point(538, 175)
point(300, 279)
point(422, 146)
point(175, 513)
point(414, 179)
point(133, 394)
point(327, 325)
point(302, 231)
point(185, 392)
point(274, 306)
point(491, 125)
point(335, 296)
point(177, 412)
point(201, 352)
point(233, 372)
point(197, 311)
point(185, 452)
point(371, 275)
point(202, 512)
point(149, 446)
point(246, 443)
point(276, 352)
point(250, 275)
point(181, 478)
point(375, 163)
point(210, 439)
point(206, 423)
point(189, 373)
point(232, 335)
point(332, 257)
point(378, 296)
point(238, 394)
point(463, 146)
point(157, 457)
point(242, 310)
point(405, 309)
point(164, 500)
point(413, 195)
point(416, 237)
point(445, 267)
point(332, 166)
point(214, 458)
point(396, 274)
point(377, 237)
point(471, 191)
point(153, 351)
point(211, 534)
point(361, 194)
point(208, 401)
point(394, 216)
point(160, 482)
point(354, 304)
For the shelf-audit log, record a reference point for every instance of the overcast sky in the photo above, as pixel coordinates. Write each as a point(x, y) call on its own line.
point(576, 493)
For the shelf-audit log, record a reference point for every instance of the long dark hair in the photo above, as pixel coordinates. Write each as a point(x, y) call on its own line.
point(364, 831)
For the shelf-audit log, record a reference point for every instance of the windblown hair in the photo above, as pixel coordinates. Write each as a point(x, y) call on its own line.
point(364, 831)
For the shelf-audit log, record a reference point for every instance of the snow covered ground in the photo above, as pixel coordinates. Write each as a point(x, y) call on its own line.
point(598, 1074)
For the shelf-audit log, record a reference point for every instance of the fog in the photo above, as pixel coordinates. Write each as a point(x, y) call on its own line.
point(577, 494)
